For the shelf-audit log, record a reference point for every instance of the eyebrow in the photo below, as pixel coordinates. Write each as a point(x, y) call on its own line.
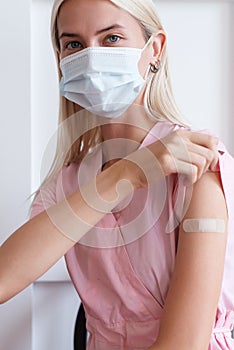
point(73, 35)
point(114, 26)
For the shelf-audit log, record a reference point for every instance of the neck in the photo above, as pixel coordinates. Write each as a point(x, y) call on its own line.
point(124, 135)
point(133, 125)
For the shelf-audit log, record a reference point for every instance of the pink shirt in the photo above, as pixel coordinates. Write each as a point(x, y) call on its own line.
point(122, 267)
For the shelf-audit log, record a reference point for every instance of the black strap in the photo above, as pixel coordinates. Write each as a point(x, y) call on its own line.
point(80, 335)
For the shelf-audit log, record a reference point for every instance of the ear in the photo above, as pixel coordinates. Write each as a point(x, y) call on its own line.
point(158, 45)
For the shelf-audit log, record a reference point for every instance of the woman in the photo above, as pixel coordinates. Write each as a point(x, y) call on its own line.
point(146, 199)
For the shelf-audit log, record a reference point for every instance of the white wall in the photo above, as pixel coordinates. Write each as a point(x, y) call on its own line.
point(44, 85)
point(202, 58)
point(201, 53)
point(28, 118)
point(15, 157)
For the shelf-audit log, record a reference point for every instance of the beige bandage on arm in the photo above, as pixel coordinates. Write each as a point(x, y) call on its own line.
point(204, 225)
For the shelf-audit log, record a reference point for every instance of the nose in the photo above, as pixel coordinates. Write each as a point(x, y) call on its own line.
point(92, 42)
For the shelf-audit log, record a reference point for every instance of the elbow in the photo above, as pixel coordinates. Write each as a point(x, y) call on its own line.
point(5, 294)
point(9, 291)
point(3, 297)
point(3, 301)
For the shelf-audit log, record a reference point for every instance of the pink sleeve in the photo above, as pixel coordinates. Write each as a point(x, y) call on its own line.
point(45, 198)
point(56, 189)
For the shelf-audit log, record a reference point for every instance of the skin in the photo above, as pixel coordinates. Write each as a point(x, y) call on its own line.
point(190, 310)
point(83, 27)
point(38, 244)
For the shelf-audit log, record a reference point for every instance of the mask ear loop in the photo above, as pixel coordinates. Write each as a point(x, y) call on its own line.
point(154, 68)
point(148, 42)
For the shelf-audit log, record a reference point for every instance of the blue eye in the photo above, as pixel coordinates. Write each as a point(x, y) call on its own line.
point(73, 45)
point(113, 39)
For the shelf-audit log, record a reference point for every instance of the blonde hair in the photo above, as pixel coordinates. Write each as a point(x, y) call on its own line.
point(159, 102)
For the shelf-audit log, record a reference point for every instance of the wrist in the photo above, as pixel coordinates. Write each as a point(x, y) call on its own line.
point(142, 168)
point(113, 184)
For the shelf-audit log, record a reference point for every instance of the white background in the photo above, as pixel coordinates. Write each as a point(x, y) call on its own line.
point(201, 59)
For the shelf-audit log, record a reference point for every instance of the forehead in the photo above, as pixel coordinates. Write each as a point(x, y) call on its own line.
point(92, 15)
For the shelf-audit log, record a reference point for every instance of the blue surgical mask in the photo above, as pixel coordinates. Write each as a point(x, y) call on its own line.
point(103, 80)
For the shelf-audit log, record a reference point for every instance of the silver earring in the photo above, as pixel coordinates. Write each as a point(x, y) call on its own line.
point(155, 67)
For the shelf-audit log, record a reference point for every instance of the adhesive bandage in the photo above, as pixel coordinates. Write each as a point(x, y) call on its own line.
point(204, 225)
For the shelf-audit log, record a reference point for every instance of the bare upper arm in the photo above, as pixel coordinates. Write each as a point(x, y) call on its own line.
point(194, 291)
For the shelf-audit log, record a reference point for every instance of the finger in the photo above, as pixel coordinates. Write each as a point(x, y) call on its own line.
point(205, 140)
point(187, 165)
point(189, 171)
point(211, 156)
point(214, 163)
point(201, 164)
point(182, 143)
point(192, 169)
point(200, 157)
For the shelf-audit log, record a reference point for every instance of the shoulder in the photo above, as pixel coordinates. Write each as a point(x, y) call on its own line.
point(207, 195)
point(204, 199)
point(54, 189)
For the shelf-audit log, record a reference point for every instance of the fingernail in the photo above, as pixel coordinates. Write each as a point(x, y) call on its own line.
point(215, 167)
